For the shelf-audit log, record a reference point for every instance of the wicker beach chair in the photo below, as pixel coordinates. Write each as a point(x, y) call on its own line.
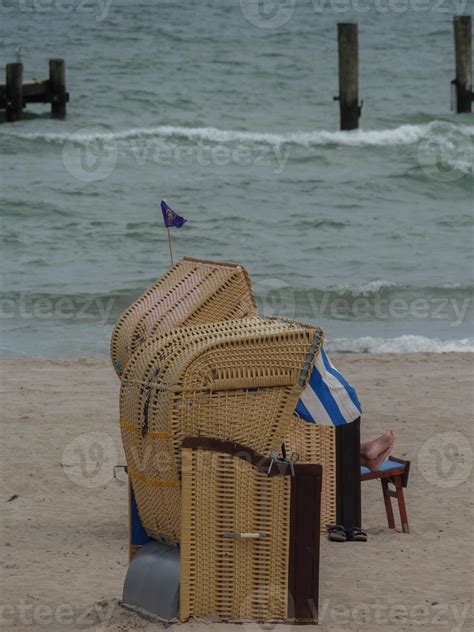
point(202, 292)
point(192, 292)
point(317, 444)
point(337, 449)
point(204, 412)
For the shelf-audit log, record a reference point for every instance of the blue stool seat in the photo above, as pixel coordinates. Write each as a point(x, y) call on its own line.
point(388, 464)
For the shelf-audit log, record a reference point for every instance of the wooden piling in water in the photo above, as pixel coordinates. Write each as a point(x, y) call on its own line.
point(14, 92)
point(463, 54)
point(348, 44)
point(57, 86)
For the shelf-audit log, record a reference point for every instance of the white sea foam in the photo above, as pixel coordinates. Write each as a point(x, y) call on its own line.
point(401, 344)
point(371, 287)
point(402, 135)
point(464, 166)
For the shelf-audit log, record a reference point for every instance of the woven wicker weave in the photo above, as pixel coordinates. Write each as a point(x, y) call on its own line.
point(233, 579)
point(191, 292)
point(317, 444)
point(235, 380)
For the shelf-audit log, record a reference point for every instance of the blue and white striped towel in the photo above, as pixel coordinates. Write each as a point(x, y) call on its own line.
point(328, 399)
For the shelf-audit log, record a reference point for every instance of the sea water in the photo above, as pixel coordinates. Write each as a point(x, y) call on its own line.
point(225, 109)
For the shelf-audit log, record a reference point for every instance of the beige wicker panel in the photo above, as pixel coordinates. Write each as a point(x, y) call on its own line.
point(231, 578)
point(317, 444)
point(154, 476)
point(236, 380)
point(191, 292)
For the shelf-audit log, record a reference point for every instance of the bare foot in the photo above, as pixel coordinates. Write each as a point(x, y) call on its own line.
point(372, 449)
point(374, 464)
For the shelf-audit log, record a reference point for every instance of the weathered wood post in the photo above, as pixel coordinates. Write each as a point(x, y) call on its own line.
point(57, 87)
point(348, 42)
point(463, 53)
point(14, 92)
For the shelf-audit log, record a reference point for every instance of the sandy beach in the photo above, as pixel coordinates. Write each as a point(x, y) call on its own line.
point(64, 529)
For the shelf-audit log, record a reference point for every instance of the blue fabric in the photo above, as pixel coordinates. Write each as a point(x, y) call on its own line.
point(328, 398)
point(386, 465)
point(303, 412)
point(349, 388)
point(171, 218)
point(138, 534)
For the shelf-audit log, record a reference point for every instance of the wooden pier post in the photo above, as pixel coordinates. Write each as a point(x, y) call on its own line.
point(57, 87)
point(348, 42)
point(463, 53)
point(14, 92)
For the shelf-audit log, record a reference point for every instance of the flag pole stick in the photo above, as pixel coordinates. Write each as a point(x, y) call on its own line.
point(169, 244)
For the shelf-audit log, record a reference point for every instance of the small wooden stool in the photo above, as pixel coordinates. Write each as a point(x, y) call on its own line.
point(394, 471)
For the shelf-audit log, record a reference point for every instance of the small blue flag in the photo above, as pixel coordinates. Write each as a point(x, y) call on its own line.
point(171, 218)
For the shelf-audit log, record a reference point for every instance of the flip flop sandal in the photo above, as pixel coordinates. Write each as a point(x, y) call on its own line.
point(336, 532)
point(355, 534)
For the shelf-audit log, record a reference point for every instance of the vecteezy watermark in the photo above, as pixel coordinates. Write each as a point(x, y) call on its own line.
point(64, 614)
point(167, 154)
point(156, 456)
point(380, 613)
point(273, 14)
point(36, 306)
point(91, 154)
point(390, 6)
point(446, 460)
point(268, 14)
point(342, 616)
point(89, 459)
point(446, 157)
point(98, 8)
point(275, 297)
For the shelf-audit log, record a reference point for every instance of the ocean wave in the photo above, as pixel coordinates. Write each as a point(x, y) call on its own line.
point(401, 344)
point(376, 288)
point(371, 287)
point(370, 302)
point(456, 220)
point(402, 135)
point(321, 223)
point(464, 166)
